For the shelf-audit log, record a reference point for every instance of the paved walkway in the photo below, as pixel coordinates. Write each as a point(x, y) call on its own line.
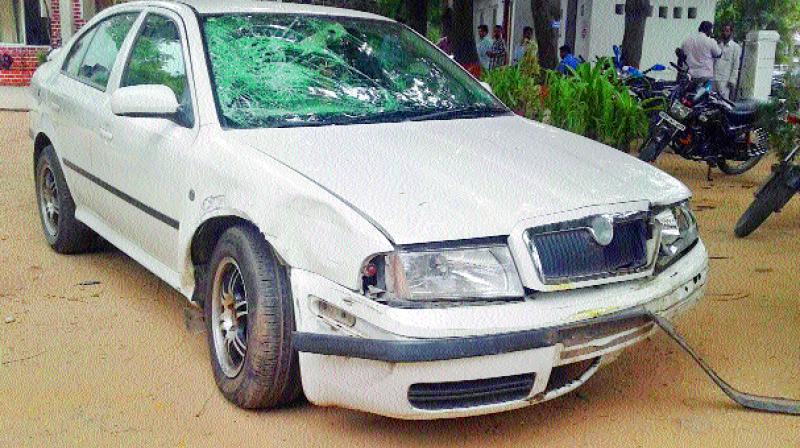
point(14, 98)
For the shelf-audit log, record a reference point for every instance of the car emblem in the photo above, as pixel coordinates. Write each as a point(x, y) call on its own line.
point(602, 229)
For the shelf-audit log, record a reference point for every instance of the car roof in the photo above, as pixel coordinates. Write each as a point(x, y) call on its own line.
point(260, 6)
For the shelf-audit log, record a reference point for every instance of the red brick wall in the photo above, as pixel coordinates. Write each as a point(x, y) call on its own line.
point(77, 15)
point(24, 64)
point(25, 57)
point(55, 23)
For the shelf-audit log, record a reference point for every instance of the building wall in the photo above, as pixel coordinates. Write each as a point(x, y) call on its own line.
point(26, 56)
point(662, 35)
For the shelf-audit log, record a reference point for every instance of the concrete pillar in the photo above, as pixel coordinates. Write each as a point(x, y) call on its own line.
point(758, 64)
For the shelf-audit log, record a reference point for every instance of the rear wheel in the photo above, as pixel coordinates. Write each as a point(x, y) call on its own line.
point(771, 198)
point(733, 167)
point(64, 233)
point(250, 319)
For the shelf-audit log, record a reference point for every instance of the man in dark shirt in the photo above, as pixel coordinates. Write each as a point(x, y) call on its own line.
point(497, 54)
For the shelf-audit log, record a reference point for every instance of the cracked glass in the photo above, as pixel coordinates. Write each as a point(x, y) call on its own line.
point(283, 70)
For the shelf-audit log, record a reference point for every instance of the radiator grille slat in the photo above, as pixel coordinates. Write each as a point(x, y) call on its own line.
point(574, 254)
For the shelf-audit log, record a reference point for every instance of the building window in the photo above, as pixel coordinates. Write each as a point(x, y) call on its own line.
point(663, 11)
point(24, 22)
point(619, 9)
point(692, 13)
point(677, 13)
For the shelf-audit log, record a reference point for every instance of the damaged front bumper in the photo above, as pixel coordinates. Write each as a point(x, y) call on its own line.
point(423, 364)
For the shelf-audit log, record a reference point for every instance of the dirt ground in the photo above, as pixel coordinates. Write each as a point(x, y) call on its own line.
point(114, 364)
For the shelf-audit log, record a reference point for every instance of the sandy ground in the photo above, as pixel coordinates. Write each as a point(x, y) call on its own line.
point(114, 364)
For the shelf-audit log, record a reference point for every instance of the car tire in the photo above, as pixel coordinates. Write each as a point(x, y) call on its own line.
point(249, 318)
point(63, 232)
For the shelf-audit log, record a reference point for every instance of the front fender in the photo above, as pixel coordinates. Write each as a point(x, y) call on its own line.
point(308, 227)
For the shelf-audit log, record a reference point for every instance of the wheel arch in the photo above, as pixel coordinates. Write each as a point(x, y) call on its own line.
point(39, 143)
point(202, 243)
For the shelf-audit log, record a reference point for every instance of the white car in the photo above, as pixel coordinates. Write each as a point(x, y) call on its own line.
point(360, 219)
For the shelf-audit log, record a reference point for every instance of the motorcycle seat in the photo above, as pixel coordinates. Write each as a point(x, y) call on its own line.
point(742, 112)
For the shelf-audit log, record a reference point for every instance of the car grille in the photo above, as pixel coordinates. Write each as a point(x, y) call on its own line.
point(471, 393)
point(571, 253)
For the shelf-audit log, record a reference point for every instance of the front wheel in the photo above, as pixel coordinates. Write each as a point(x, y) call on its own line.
point(250, 319)
point(774, 195)
point(654, 146)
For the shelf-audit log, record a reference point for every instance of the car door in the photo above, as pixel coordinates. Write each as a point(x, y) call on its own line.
point(147, 158)
point(80, 103)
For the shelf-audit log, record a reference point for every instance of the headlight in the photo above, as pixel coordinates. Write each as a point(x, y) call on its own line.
point(484, 272)
point(679, 111)
point(678, 232)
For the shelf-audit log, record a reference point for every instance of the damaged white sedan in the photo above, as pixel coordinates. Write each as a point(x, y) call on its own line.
point(360, 219)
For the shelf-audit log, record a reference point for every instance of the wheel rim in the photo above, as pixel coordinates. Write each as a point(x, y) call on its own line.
point(49, 200)
point(229, 317)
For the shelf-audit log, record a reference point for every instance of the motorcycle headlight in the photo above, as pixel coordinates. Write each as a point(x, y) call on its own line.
point(482, 272)
point(678, 232)
point(679, 111)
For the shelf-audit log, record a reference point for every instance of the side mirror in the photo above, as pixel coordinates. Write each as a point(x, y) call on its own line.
point(487, 86)
point(149, 100)
point(658, 68)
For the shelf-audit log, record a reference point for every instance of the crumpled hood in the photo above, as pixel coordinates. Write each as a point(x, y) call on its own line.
point(461, 179)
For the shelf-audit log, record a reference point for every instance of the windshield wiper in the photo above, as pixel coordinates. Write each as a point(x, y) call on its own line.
point(461, 112)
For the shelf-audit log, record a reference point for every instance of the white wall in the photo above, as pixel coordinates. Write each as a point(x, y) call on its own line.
point(662, 35)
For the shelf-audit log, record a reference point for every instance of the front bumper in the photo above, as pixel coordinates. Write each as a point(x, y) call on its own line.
point(400, 374)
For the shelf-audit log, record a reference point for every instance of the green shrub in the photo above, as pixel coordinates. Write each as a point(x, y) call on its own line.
point(772, 117)
point(515, 90)
point(593, 102)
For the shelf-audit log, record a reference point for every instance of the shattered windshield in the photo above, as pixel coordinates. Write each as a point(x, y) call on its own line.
point(280, 70)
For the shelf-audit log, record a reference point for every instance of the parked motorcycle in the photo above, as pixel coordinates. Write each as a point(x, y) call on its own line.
point(773, 195)
point(701, 125)
point(640, 84)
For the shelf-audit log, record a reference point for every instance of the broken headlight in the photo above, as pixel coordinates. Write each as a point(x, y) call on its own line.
point(678, 232)
point(458, 273)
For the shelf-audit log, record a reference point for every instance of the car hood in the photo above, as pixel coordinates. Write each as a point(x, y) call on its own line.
point(460, 179)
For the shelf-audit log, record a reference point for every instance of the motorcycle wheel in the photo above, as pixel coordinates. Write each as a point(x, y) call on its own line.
point(774, 195)
point(733, 168)
point(653, 146)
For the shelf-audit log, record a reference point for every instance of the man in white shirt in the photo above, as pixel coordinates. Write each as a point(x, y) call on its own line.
point(527, 38)
point(726, 68)
point(484, 46)
point(701, 50)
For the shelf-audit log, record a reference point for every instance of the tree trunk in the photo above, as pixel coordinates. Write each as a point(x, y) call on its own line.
point(417, 13)
point(463, 33)
point(636, 12)
point(545, 13)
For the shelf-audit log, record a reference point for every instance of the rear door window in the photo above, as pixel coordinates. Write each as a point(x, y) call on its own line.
point(101, 54)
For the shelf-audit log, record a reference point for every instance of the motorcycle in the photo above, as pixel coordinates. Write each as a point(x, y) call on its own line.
point(701, 125)
point(774, 194)
point(640, 84)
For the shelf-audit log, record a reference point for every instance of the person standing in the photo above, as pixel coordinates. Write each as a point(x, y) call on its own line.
point(527, 38)
point(726, 68)
point(484, 46)
point(701, 50)
point(497, 53)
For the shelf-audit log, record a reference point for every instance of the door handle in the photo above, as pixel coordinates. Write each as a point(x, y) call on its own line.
point(106, 135)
